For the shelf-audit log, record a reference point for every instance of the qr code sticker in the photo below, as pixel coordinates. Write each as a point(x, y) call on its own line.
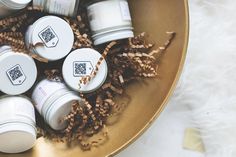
point(16, 75)
point(49, 37)
point(82, 68)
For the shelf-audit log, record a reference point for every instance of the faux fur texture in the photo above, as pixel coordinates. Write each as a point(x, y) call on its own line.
point(208, 83)
point(206, 91)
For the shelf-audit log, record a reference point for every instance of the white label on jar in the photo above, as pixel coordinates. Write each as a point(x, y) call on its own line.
point(124, 6)
point(16, 75)
point(43, 91)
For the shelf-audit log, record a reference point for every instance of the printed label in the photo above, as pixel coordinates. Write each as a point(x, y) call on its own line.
point(49, 37)
point(124, 6)
point(82, 68)
point(16, 75)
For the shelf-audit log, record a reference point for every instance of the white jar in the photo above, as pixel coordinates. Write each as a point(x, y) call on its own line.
point(54, 34)
point(17, 124)
point(59, 7)
point(10, 6)
point(17, 70)
point(54, 100)
point(81, 63)
point(110, 20)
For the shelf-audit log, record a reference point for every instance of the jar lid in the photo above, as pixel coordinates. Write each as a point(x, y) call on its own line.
point(56, 36)
point(81, 63)
point(16, 4)
point(17, 137)
point(60, 109)
point(18, 73)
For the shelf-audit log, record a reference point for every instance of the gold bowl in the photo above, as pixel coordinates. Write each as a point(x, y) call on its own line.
point(149, 97)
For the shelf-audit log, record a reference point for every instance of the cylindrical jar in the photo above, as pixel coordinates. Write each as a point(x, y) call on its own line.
point(59, 7)
point(17, 124)
point(18, 71)
point(50, 37)
point(54, 100)
point(8, 7)
point(82, 63)
point(110, 20)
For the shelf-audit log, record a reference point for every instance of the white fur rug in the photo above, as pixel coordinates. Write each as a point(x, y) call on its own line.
point(208, 84)
point(206, 95)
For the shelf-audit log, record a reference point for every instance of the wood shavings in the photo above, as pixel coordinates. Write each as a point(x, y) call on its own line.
point(12, 21)
point(35, 8)
point(161, 49)
point(53, 75)
point(81, 40)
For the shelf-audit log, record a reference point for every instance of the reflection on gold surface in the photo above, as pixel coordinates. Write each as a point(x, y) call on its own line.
point(148, 98)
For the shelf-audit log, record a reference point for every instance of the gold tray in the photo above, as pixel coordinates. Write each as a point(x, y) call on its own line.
point(148, 98)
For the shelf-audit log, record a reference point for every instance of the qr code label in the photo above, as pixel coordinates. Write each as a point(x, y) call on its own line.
point(49, 37)
point(82, 69)
point(16, 75)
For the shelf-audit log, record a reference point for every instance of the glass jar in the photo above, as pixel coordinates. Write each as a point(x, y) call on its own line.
point(17, 124)
point(18, 71)
point(110, 20)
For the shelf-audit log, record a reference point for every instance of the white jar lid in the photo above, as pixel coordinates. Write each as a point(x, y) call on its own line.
point(59, 109)
point(81, 63)
point(16, 4)
point(17, 137)
point(56, 35)
point(18, 73)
